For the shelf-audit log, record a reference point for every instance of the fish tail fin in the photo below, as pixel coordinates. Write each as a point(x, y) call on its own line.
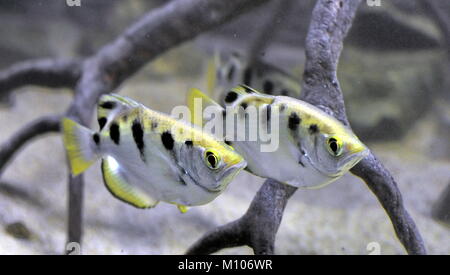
point(78, 141)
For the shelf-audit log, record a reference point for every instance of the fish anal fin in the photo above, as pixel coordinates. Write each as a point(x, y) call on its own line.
point(183, 208)
point(121, 189)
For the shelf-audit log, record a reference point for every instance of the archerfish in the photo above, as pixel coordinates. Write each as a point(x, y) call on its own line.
point(314, 149)
point(148, 156)
point(232, 69)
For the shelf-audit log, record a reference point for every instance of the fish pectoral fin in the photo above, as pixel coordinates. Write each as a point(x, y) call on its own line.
point(183, 208)
point(121, 189)
point(111, 105)
point(197, 103)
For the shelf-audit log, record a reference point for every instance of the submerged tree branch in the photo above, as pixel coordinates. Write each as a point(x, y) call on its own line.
point(330, 23)
point(35, 128)
point(52, 73)
point(257, 228)
point(321, 88)
point(266, 32)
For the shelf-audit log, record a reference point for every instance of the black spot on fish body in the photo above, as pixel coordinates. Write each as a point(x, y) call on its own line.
point(96, 138)
point(282, 107)
point(154, 125)
point(108, 105)
point(167, 140)
point(231, 97)
point(294, 121)
point(227, 142)
point(189, 143)
point(300, 162)
point(268, 112)
point(247, 76)
point(244, 105)
point(248, 89)
point(102, 122)
point(138, 136)
point(114, 133)
point(268, 87)
point(224, 113)
point(313, 129)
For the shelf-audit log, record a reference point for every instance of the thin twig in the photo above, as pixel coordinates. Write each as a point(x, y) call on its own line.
point(33, 129)
point(52, 73)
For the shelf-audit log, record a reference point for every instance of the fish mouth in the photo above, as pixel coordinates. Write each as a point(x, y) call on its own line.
point(197, 183)
point(227, 172)
point(353, 159)
point(232, 169)
point(331, 176)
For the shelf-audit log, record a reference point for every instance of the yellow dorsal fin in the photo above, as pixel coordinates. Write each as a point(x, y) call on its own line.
point(110, 105)
point(121, 189)
point(197, 103)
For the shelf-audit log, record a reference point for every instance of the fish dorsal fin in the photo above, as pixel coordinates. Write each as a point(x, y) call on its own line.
point(244, 93)
point(121, 189)
point(110, 105)
point(197, 103)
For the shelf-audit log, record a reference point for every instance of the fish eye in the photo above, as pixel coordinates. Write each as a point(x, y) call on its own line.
point(334, 146)
point(212, 159)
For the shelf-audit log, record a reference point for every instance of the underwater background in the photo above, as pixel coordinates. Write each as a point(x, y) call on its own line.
point(396, 86)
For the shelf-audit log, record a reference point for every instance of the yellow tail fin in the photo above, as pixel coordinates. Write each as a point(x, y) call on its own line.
point(78, 142)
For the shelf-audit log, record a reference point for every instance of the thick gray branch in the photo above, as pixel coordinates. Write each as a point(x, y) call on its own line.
point(257, 228)
point(53, 73)
point(383, 185)
point(35, 128)
point(321, 88)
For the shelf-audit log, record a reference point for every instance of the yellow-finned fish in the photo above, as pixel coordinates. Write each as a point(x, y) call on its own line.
point(148, 156)
point(313, 149)
point(232, 69)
